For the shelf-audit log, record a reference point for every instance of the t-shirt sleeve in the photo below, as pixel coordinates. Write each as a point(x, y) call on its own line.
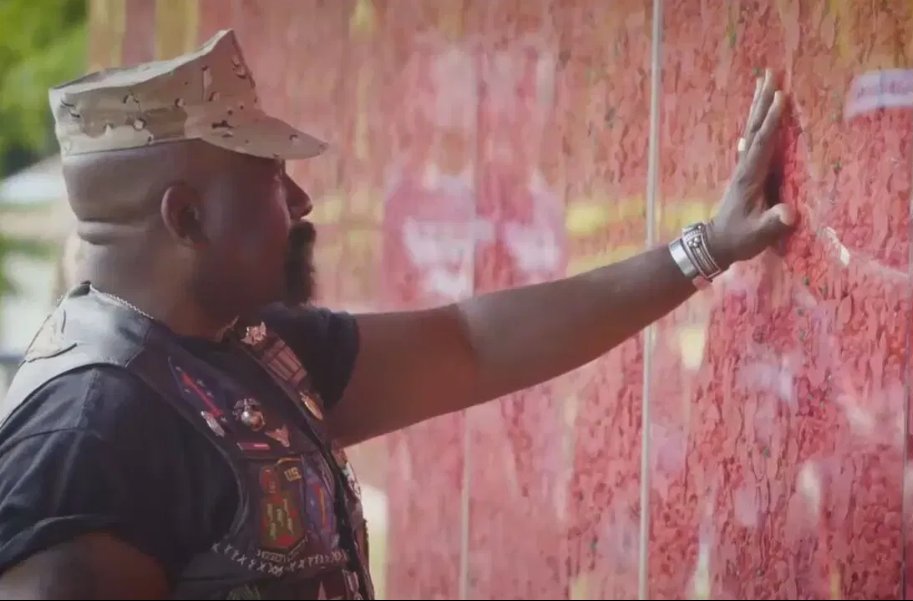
point(324, 340)
point(95, 451)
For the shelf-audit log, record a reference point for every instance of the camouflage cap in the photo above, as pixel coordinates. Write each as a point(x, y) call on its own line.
point(206, 95)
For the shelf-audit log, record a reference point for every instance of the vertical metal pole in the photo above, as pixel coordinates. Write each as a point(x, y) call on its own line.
point(656, 72)
point(464, 508)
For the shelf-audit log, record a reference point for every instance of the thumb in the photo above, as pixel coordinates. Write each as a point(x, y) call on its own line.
point(776, 221)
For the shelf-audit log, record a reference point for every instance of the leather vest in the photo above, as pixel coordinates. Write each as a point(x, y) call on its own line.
point(299, 530)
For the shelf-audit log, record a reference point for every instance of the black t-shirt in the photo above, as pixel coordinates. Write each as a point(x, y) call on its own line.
point(97, 449)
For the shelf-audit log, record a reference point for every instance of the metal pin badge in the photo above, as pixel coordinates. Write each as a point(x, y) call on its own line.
point(254, 335)
point(213, 423)
point(311, 405)
point(248, 412)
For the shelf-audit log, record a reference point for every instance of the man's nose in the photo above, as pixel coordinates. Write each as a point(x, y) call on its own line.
point(299, 203)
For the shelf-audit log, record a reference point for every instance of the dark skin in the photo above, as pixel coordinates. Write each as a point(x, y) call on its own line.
point(187, 231)
point(197, 236)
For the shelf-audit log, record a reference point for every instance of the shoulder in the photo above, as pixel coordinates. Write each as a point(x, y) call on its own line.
point(96, 449)
point(99, 413)
point(104, 401)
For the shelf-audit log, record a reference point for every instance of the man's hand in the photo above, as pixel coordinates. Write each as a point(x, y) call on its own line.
point(745, 225)
point(416, 365)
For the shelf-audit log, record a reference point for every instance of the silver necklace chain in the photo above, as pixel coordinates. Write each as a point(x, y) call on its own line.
point(133, 307)
point(122, 302)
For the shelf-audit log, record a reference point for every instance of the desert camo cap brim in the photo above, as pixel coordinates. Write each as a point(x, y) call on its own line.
point(268, 137)
point(207, 95)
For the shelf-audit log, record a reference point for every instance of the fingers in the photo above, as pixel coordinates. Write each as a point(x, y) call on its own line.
point(758, 84)
point(764, 144)
point(767, 96)
point(743, 141)
point(775, 222)
point(763, 98)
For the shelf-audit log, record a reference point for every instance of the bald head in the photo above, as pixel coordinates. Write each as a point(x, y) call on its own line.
point(189, 217)
point(126, 187)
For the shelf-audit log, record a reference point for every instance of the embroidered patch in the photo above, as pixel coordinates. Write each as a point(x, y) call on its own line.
point(281, 526)
point(283, 362)
point(352, 481)
point(196, 392)
point(49, 341)
point(283, 365)
point(293, 474)
point(342, 461)
point(321, 519)
point(276, 565)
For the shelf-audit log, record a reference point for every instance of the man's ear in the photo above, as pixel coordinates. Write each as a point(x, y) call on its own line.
point(182, 213)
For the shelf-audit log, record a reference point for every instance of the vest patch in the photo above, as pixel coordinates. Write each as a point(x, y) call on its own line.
point(299, 529)
point(49, 341)
point(281, 520)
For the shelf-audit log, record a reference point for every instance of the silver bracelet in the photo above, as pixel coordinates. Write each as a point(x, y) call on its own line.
point(692, 255)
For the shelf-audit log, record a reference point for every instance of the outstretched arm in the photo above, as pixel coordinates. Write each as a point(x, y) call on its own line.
point(416, 365)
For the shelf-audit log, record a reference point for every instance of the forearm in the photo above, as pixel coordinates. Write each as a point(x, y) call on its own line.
point(94, 566)
point(416, 365)
point(524, 336)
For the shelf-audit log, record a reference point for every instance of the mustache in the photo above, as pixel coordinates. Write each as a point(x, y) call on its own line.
point(302, 233)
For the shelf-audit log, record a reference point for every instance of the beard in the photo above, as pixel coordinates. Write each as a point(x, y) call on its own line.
point(299, 264)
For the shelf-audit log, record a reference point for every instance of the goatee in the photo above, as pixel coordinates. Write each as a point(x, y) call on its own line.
point(299, 264)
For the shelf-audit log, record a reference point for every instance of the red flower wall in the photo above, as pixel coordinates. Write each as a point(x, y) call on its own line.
point(484, 144)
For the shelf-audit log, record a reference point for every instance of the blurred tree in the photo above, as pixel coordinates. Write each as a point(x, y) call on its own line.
point(20, 246)
point(43, 43)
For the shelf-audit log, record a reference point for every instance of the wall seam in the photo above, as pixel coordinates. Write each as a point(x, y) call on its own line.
point(466, 477)
point(907, 371)
point(643, 572)
point(107, 24)
point(176, 27)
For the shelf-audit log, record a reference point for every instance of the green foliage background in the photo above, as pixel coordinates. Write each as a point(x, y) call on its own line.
point(42, 43)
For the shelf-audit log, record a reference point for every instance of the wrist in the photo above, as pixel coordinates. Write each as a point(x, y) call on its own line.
point(717, 247)
point(691, 252)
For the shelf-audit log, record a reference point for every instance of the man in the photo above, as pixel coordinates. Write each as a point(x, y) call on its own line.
point(177, 426)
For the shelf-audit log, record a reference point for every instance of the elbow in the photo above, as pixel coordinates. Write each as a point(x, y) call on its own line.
point(470, 355)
